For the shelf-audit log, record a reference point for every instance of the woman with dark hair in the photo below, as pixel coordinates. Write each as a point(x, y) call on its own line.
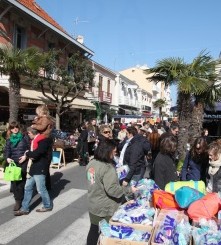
point(164, 164)
point(104, 191)
point(16, 145)
point(196, 161)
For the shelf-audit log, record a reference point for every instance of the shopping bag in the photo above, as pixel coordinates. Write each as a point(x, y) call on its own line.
point(122, 171)
point(12, 172)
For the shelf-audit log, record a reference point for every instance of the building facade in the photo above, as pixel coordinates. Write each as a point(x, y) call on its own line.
point(25, 24)
point(150, 91)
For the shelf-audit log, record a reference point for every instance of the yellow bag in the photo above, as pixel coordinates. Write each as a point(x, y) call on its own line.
point(198, 185)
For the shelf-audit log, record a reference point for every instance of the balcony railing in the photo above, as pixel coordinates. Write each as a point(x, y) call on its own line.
point(104, 97)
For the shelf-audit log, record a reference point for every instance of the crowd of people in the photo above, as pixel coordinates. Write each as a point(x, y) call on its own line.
point(140, 147)
point(149, 151)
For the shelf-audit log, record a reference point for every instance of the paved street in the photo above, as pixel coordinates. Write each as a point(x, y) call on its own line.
point(68, 223)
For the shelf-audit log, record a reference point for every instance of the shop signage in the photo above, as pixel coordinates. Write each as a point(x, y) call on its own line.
point(31, 101)
point(212, 116)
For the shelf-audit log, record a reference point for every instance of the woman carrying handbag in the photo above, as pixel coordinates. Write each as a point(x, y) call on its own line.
point(16, 145)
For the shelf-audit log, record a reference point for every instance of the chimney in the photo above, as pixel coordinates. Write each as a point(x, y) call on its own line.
point(80, 39)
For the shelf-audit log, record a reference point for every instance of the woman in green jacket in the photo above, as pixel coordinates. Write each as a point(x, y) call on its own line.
point(104, 191)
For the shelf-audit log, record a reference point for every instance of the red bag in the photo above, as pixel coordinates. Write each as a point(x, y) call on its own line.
point(206, 207)
point(164, 200)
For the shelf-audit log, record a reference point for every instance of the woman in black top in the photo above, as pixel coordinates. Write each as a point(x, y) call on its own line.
point(164, 164)
point(16, 145)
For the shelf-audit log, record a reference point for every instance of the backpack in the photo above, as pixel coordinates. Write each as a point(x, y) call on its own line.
point(205, 207)
point(164, 200)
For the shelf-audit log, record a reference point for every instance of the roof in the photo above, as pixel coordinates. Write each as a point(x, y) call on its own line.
point(31, 8)
point(34, 7)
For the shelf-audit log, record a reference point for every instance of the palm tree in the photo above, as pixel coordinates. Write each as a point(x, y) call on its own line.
point(193, 81)
point(14, 63)
point(160, 103)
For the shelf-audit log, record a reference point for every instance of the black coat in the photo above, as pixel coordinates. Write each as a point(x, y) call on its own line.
point(40, 157)
point(16, 152)
point(82, 146)
point(164, 170)
point(135, 154)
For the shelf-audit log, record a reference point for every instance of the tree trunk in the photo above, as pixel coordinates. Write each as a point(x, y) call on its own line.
point(197, 121)
point(160, 113)
point(57, 123)
point(14, 96)
point(184, 115)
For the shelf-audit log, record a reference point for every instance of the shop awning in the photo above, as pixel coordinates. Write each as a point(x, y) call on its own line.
point(36, 97)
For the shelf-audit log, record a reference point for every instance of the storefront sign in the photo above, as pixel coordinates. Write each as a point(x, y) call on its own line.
point(212, 116)
point(31, 101)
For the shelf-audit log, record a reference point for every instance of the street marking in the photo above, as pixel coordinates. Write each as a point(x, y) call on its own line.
point(7, 201)
point(20, 225)
point(76, 233)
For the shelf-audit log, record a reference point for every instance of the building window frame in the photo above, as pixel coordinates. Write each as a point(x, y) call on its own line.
point(20, 37)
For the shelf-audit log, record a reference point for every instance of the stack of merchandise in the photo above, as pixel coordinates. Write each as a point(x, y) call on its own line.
point(172, 227)
point(180, 215)
point(133, 221)
point(200, 207)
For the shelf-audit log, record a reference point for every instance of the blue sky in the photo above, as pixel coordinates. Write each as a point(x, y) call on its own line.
point(126, 33)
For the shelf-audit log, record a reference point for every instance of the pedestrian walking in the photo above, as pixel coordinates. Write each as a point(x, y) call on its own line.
point(16, 145)
point(37, 175)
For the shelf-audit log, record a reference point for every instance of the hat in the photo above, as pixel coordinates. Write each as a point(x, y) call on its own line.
point(144, 129)
point(123, 126)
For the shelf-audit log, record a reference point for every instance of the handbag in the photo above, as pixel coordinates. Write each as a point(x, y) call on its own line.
point(12, 172)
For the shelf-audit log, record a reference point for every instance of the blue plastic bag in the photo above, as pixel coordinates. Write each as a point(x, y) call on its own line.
point(186, 195)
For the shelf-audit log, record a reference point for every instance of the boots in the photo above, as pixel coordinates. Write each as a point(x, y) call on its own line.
point(17, 205)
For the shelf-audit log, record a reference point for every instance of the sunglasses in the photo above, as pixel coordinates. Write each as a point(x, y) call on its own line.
point(106, 132)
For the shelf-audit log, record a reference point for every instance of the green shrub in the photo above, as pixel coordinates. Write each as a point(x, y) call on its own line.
point(2, 146)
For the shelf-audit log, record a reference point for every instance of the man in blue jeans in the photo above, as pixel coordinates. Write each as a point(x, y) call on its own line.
point(36, 172)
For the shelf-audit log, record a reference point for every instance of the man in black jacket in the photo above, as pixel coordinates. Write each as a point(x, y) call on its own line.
point(37, 175)
point(134, 155)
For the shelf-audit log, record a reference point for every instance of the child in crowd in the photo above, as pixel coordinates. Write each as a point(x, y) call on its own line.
point(43, 121)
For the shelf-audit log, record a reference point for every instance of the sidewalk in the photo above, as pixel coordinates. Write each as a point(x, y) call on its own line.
point(5, 185)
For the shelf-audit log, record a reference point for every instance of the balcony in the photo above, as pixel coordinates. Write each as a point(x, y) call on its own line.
point(155, 89)
point(104, 97)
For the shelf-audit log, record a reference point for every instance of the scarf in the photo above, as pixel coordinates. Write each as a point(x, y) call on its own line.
point(15, 139)
point(214, 166)
point(123, 152)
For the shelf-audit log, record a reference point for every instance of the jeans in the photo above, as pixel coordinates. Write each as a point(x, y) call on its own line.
point(39, 180)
